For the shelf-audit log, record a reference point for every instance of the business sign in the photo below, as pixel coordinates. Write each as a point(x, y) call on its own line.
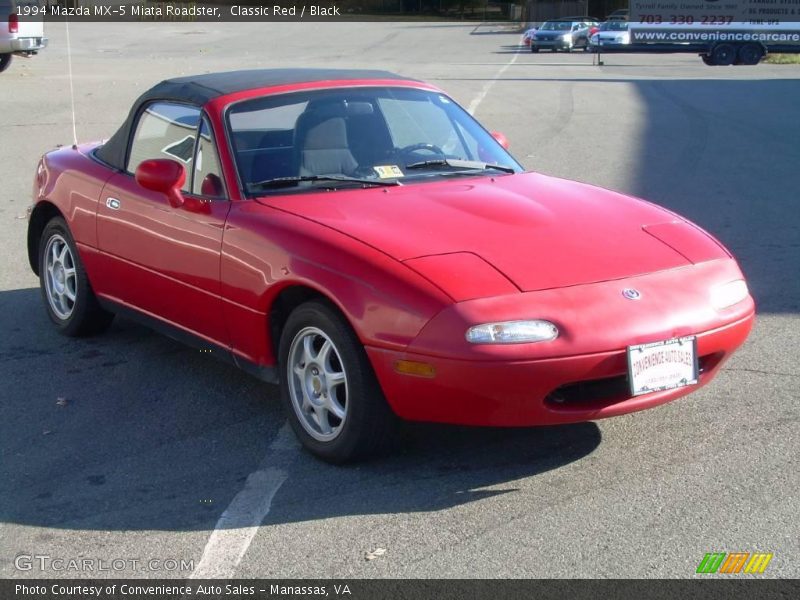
point(713, 12)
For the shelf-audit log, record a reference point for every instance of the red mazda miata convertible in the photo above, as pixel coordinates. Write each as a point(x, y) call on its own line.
point(360, 239)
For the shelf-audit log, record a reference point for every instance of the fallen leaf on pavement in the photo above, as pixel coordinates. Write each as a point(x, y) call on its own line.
point(375, 554)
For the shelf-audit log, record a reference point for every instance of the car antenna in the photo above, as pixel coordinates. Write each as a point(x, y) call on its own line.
point(71, 88)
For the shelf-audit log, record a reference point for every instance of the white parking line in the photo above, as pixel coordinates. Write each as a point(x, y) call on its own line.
point(238, 525)
point(473, 106)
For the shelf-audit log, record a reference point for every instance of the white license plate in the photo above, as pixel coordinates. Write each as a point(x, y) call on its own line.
point(662, 365)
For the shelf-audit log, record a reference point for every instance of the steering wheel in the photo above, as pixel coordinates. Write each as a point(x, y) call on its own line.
point(433, 148)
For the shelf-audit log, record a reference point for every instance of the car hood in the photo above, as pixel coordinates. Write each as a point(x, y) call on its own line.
point(540, 232)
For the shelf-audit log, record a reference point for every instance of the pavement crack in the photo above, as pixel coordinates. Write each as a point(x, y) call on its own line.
point(761, 372)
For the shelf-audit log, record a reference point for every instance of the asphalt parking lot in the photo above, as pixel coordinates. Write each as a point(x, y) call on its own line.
point(130, 446)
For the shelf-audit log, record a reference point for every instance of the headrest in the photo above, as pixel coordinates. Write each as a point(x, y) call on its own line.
point(325, 133)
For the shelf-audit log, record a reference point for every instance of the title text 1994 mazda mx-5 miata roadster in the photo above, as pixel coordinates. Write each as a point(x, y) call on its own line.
point(357, 237)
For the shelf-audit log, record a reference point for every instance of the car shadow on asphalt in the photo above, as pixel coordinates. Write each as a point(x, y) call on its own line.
point(133, 431)
point(435, 467)
point(513, 49)
point(484, 29)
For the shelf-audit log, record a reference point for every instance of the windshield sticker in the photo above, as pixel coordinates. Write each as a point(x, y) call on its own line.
point(388, 171)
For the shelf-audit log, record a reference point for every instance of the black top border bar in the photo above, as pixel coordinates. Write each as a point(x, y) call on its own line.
point(262, 10)
point(643, 12)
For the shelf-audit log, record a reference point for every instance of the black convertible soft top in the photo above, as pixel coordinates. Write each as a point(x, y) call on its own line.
point(200, 89)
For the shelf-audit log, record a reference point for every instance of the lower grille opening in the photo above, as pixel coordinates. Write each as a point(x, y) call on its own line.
point(604, 391)
point(596, 393)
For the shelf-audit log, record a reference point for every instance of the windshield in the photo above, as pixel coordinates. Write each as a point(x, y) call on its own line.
point(557, 26)
point(614, 26)
point(349, 137)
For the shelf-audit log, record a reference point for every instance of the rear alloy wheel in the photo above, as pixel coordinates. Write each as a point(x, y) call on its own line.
point(329, 390)
point(5, 61)
point(750, 54)
point(68, 297)
point(723, 54)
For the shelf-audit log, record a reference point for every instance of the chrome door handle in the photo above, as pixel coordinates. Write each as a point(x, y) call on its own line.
point(113, 203)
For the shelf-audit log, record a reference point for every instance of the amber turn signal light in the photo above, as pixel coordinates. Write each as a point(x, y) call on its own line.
point(411, 367)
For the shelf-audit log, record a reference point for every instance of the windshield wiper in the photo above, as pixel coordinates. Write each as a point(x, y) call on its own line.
point(278, 182)
point(473, 165)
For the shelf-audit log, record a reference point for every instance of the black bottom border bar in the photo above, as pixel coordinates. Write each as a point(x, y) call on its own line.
point(417, 589)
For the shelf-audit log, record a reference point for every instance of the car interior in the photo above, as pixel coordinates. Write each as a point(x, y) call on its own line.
point(331, 136)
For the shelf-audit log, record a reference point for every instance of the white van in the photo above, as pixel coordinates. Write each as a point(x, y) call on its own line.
point(23, 36)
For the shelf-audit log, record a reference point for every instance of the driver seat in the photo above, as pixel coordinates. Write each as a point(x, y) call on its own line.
point(320, 140)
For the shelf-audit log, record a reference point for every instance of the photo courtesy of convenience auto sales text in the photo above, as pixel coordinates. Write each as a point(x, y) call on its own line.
point(62, 590)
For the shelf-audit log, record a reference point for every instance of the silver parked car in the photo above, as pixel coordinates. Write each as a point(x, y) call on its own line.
point(611, 34)
point(563, 34)
point(20, 34)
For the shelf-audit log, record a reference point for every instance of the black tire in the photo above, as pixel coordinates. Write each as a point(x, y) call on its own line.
point(5, 61)
point(83, 316)
point(723, 54)
point(750, 54)
point(534, 48)
point(368, 425)
point(708, 60)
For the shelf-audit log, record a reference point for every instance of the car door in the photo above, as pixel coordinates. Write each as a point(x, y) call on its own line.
point(160, 259)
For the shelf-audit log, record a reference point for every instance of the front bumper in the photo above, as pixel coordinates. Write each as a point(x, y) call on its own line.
point(30, 44)
point(546, 391)
point(579, 376)
point(547, 44)
point(608, 43)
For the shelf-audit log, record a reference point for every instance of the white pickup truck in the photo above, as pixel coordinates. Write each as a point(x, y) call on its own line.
point(23, 36)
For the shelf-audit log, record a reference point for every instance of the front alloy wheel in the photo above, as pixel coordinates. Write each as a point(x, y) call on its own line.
point(317, 384)
point(329, 390)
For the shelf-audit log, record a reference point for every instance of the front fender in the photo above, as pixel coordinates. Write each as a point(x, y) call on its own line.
point(266, 250)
